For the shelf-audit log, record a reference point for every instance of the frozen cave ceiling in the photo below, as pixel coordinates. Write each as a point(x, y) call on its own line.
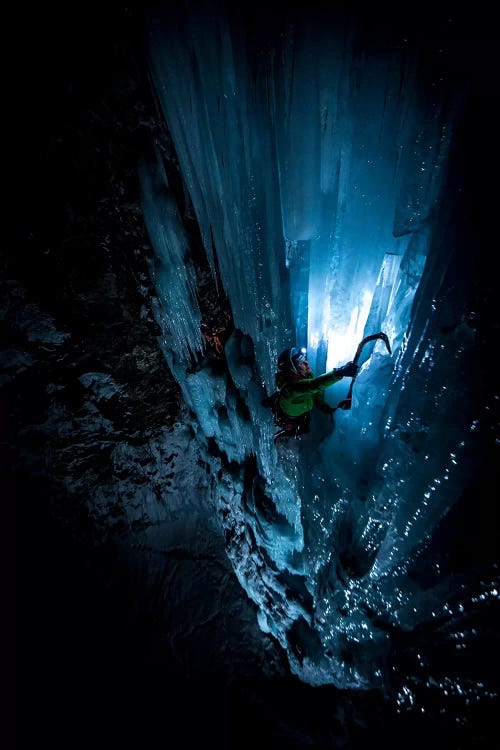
point(118, 639)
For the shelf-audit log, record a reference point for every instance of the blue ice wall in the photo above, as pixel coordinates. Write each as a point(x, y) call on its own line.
point(316, 156)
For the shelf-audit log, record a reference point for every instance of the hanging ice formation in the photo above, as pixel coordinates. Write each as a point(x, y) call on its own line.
point(314, 159)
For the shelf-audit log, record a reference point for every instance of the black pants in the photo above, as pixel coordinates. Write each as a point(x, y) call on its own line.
point(291, 426)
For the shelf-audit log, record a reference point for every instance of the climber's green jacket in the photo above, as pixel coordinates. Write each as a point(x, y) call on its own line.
point(297, 396)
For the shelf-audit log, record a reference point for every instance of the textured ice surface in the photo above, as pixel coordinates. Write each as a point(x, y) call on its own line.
point(316, 158)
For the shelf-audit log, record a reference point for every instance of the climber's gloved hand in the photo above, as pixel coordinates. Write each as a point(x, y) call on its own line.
point(349, 370)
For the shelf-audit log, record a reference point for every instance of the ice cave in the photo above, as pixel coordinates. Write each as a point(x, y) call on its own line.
point(305, 177)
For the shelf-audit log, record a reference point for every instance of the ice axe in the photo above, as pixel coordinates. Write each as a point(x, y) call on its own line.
point(346, 402)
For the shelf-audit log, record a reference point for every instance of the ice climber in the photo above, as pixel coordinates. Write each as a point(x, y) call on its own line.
point(298, 391)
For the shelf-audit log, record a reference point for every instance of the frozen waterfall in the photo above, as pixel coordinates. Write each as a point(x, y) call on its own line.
point(314, 160)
